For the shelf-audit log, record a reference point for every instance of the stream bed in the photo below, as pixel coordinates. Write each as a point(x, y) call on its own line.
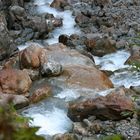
point(51, 114)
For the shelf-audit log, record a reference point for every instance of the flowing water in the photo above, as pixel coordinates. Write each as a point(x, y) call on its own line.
point(51, 115)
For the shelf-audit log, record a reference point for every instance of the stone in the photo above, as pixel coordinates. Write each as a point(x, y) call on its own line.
point(34, 74)
point(51, 68)
point(134, 58)
point(66, 56)
point(7, 46)
point(40, 94)
point(114, 106)
point(13, 81)
point(30, 57)
point(101, 46)
point(59, 4)
point(18, 101)
point(84, 77)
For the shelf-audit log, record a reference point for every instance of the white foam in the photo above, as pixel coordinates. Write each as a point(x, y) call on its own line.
point(68, 94)
point(68, 20)
point(126, 78)
point(27, 44)
point(50, 122)
point(113, 61)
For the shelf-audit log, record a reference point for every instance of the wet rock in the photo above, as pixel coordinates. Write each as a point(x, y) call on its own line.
point(40, 94)
point(114, 106)
point(7, 45)
point(100, 47)
point(85, 77)
point(13, 81)
point(51, 68)
point(34, 74)
point(65, 56)
point(63, 39)
point(19, 101)
point(59, 4)
point(134, 59)
point(30, 57)
point(67, 136)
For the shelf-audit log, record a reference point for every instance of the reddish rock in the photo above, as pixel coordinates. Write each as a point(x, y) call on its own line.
point(14, 81)
point(40, 94)
point(30, 57)
point(101, 46)
point(59, 4)
point(114, 106)
point(85, 77)
point(134, 59)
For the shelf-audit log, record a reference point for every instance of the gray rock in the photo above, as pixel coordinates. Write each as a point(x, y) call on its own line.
point(51, 68)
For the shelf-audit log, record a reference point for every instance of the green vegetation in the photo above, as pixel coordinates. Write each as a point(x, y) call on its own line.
point(113, 137)
point(15, 127)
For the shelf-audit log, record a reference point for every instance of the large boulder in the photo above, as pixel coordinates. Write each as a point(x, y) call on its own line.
point(30, 57)
point(65, 56)
point(114, 106)
point(14, 81)
point(7, 46)
point(84, 77)
point(100, 47)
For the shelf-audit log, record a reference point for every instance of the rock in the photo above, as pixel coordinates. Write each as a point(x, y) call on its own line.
point(13, 81)
point(51, 69)
point(134, 59)
point(101, 46)
point(82, 20)
point(19, 101)
point(30, 57)
point(59, 4)
point(63, 39)
point(102, 3)
point(7, 46)
point(65, 56)
point(34, 74)
point(40, 94)
point(85, 77)
point(114, 106)
point(66, 136)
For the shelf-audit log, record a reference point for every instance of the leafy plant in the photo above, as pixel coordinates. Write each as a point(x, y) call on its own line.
point(15, 127)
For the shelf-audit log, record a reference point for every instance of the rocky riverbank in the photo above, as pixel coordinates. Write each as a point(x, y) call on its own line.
point(70, 63)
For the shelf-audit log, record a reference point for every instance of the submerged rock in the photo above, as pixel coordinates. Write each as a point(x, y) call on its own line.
point(114, 106)
point(14, 81)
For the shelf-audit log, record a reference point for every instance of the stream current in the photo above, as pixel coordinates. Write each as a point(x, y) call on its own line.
point(51, 115)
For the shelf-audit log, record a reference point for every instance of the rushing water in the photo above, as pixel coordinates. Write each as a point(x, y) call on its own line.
point(51, 115)
point(68, 20)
